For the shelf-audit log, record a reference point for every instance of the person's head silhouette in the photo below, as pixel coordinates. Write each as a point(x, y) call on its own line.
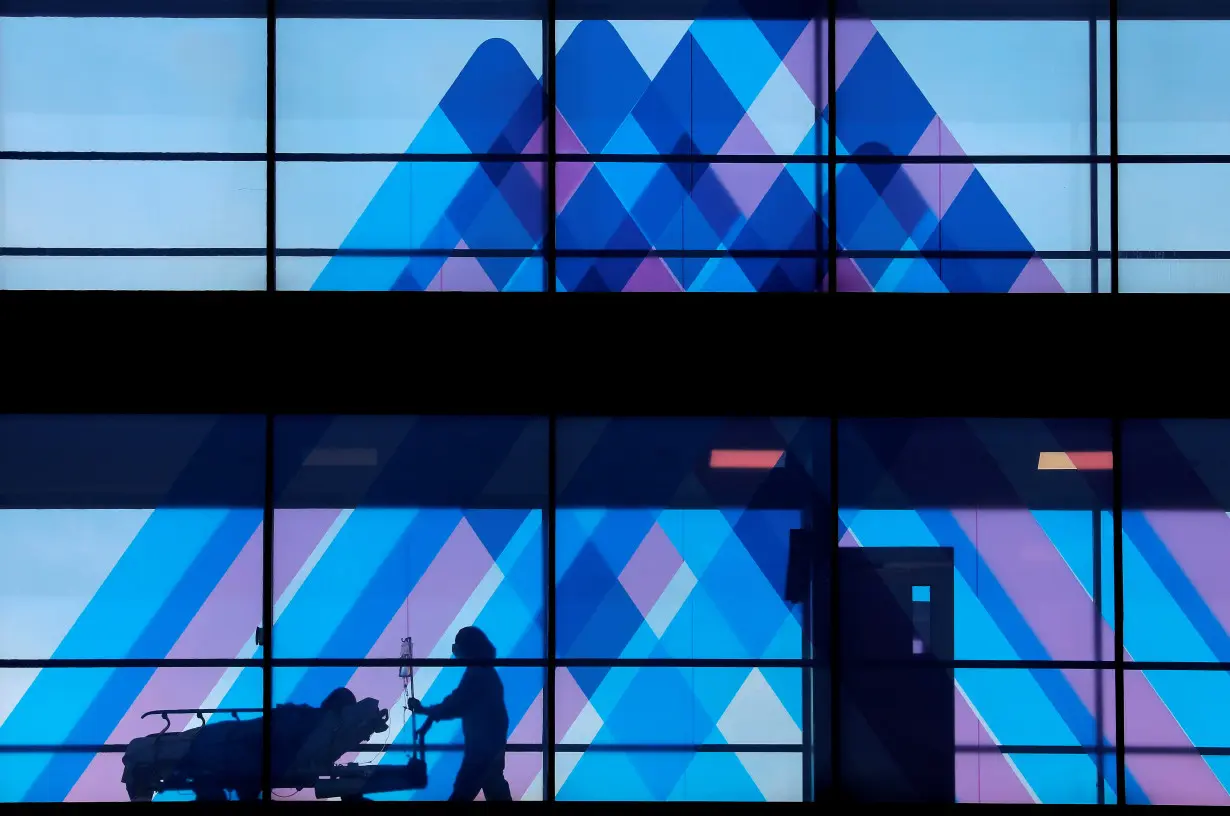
point(471, 643)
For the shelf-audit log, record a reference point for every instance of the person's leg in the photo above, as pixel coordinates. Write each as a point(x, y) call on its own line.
point(495, 788)
point(468, 783)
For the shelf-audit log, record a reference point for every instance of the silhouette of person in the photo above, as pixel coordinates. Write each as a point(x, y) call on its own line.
point(478, 701)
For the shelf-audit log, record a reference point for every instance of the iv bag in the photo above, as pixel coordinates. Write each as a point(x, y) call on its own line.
point(407, 653)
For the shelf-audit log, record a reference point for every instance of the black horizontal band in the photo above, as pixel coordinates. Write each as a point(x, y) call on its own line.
point(615, 354)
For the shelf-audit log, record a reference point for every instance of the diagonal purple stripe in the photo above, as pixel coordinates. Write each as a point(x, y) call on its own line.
point(228, 616)
point(1049, 596)
point(296, 534)
point(983, 777)
point(431, 606)
point(1022, 558)
point(1197, 541)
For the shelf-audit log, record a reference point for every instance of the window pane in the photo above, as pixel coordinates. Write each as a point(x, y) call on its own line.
point(659, 87)
point(716, 207)
point(474, 88)
point(1175, 547)
point(663, 550)
point(411, 205)
point(1169, 274)
point(909, 271)
point(1170, 100)
point(479, 220)
point(1171, 719)
point(65, 734)
point(615, 274)
point(1172, 207)
point(116, 272)
point(130, 537)
point(622, 206)
point(1030, 533)
point(947, 87)
point(416, 86)
point(395, 527)
point(944, 207)
point(1102, 33)
point(132, 84)
point(911, 209)
point(708, 87)
point(679, 734)
point(443, 272)
point(109, 204)
point(753, 273)
point(385, 751)
point(1015, 736)
point(723, 273)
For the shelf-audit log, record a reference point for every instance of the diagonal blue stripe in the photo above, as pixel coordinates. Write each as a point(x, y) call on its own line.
point(248, 690)
point(1158, 557)
point(1156, 624)
point(377, 603)
point(111, 623)
point(335, 583)
point(140, 583)
point(1016, 629)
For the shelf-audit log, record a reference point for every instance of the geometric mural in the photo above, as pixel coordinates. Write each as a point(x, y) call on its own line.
point(199, 597)
point(1175, 563)
point(682, 562)
point(902, 208)
point(661, 557)
point(358, 581)
point(674, 584)
point(690, 584)
point(353, 95)
point(1024, 587)
point(641, 92)
point(1022, 592)
point(471, 225)
point(712, 87)
point(749, 721)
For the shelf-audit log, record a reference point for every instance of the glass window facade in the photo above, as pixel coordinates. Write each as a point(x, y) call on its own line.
point(681, 609)
point(604, 147)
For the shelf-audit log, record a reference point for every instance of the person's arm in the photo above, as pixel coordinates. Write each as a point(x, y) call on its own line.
point(456, 703)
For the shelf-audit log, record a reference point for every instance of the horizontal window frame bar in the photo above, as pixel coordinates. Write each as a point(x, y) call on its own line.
point(598, 662)
point(396, 662)
point(710, 748)
point(352, 252)
point(823, 254)
point(1080, 159)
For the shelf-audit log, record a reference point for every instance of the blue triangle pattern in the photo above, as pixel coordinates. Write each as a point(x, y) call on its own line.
point(607, 101)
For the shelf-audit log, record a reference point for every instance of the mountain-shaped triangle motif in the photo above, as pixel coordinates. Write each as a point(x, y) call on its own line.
point(692, 104)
